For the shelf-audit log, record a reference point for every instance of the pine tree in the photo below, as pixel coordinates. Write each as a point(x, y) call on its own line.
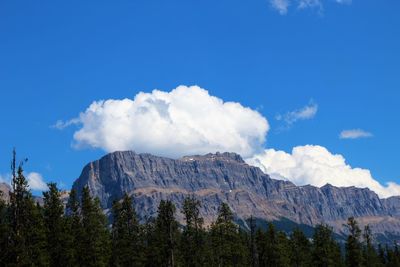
point(300, 249)
point(353, 244)
point(125, 234)
point(94, 250)
point(382, 255)
point(261, 244)
point(272, 250)
point(4, 232)
point(325, 250)
point(227, 247)
point(396, 254)
point(252, 242)
point(36, 237)
point(370, 257)
point(283, 249)
point(392, 256)
point(167, 234)
point(74, 229)
point(192, 242)
point(149, 238)
point(55, 223)
point(276, 252)
point(27, 244)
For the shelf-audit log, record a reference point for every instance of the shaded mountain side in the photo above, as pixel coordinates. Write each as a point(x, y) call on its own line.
point(225, 177)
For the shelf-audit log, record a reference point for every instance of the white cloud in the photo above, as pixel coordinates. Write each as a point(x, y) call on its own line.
point(36, 182)
point(305, 113)
point(280, 5)
point(60, 125)
point(354, 134)
point(317, 166)
point(187, 120)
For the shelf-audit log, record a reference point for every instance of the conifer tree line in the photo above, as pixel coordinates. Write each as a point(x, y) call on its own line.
point(79, 235)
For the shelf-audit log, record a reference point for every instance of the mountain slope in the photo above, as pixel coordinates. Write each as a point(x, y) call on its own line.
point(225, 177)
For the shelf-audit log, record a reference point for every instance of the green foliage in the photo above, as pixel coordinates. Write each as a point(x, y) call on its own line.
point(150, 251)
point(273, 247)
point(4, 231)
point(369, 254)
point(55, 227)
point(353, 244)
point(192, 245)
point(227, 248)
point(299, 249)
point(26, 236)
point(94, 241)
point(393, 257)
point(125, 234)
point(166, 234)
point(325, 250)
point(253, 253)
point(74, 230)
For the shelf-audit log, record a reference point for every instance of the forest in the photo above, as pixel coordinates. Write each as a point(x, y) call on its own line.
point(79, 234)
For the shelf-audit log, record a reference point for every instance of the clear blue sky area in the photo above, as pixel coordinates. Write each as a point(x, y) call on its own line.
point(57, 57)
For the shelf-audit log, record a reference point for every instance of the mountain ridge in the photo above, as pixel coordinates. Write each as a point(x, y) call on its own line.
point(226, 177)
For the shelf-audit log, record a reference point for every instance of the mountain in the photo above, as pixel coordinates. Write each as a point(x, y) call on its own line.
point(4, 189)
point(225, 177)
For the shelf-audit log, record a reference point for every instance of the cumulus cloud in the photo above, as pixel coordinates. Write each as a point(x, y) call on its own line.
point(354, 134)
point(315, 165)
point(305, 113)
point(36, 182)
point(187, 120)
point(282, 6)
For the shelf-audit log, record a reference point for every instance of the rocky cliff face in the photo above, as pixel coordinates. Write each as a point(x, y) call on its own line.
point(225, 177)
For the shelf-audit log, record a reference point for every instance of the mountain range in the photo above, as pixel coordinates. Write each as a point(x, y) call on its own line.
point(226, 177)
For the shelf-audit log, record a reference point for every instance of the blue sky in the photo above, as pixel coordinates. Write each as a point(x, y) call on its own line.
point(56, 58)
